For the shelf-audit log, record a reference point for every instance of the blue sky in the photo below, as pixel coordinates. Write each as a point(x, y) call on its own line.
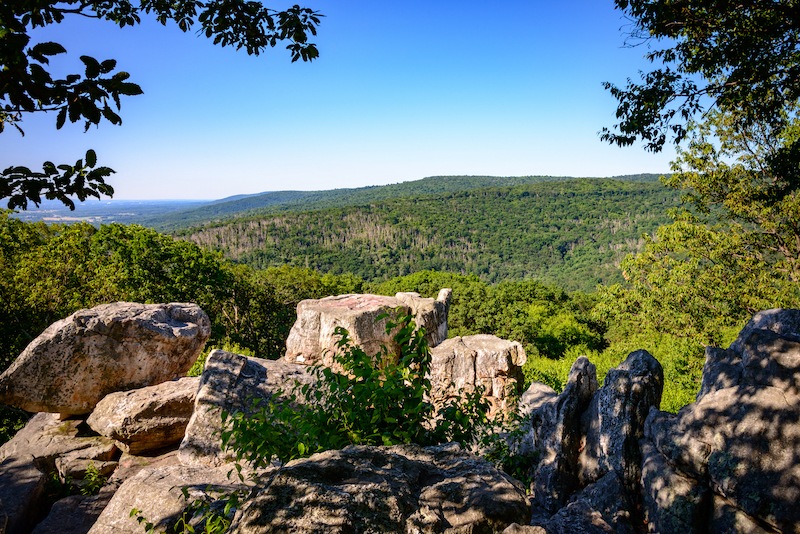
point(401, 91)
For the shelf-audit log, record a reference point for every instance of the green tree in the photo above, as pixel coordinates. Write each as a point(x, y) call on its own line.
point(737, 252)
point(736, 56)
point(27, 86)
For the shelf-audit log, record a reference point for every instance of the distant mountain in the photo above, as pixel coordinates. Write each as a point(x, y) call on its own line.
point(105, 211)
point(573, 233)
point(296, 201)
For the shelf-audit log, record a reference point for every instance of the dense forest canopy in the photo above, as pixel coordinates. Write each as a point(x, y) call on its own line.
point(573, 233)
point(295, 201)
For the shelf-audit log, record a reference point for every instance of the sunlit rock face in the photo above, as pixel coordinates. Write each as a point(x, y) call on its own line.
point(313, 338)
point(79, 360)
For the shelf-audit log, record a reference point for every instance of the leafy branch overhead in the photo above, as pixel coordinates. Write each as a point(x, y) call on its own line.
point(743, 56)
point(28, 86)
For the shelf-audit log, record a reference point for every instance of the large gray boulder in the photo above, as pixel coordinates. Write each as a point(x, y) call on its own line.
point(79, 360)
point(742, 436)
point(22, 486)
point(157, 494)
point(404, 488)
point(146, 419)
point(613, 423)
point(485, 361)
point(232, 383)
point(554, 433)
point(312, 338)
point(674, 503)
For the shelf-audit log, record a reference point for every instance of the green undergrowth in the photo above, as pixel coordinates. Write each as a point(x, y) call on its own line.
point(372, 400)
point(681, 358)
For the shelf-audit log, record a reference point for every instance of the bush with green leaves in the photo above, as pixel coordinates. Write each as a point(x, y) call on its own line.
point(373, 400)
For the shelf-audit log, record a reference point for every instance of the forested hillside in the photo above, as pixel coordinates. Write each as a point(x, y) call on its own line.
point(573, 233)
point(294, 201)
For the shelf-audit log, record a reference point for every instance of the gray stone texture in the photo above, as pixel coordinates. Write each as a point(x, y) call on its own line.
point(403, 488)
point(555, 434)
point(146, 419)
point(463, 364)
point(79, 360)
point(613, 423)
point(232, 382)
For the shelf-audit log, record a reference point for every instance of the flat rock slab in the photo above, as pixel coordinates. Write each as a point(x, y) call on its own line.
point(146, 419)
point(46, 438)
point(79, 360)
point(313, 339)
point(232, 382)
point(157, 493)
point(404, 488)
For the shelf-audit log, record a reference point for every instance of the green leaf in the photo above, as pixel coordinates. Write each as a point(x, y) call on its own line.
point(91, 158)
point(92, 66)
point(61, 118)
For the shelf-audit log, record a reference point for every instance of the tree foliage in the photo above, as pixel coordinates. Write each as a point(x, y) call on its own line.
point(571, 233)
point(27, 85)
point(736, 253)
point(736, 56)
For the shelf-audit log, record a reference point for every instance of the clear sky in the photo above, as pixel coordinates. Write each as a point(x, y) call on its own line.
point(401, 91)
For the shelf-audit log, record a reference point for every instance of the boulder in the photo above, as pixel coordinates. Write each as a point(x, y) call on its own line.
point(742, 436)
point(45, 438)
point(75, 514)
point(431, 314)
point(157, 494)
point(312, 338)
point(79, 360)
point(489, 362)
point(232, 382)
point(673, 503)
point(613, 424)
point(554, 433)
point(578, 518)
point(146, 419)
point(747, 441)
point(404, 488)
point(785, 323)
point(22, 486)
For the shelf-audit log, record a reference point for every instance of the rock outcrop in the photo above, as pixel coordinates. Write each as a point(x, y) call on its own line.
point(608, 459)
point(313, 339)
point(554, 434)
point(736, 450)
point(157, 494)
point(232, 383)
point(146, 419)
point(613, 424)
point(404, 488)
point(431, 314)
point(485, 361)
point(79, 360)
